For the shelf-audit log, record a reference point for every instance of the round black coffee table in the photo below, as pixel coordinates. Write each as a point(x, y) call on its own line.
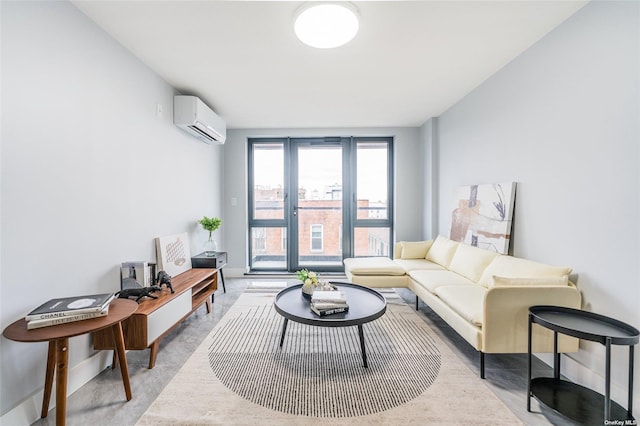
point(365, 305)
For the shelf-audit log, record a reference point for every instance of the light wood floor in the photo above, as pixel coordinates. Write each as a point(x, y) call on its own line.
point(102, 401)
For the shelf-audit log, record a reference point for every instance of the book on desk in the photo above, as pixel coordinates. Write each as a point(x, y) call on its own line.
point(69, 309)
point(328, 302)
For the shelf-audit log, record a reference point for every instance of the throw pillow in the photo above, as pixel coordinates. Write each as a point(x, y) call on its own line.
point(509, 266)
point(470, 261)
point(550, 281)
point(441, 251)
point(415, 249)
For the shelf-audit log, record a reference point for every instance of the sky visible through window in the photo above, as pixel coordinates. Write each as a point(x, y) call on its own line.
point(327, 170)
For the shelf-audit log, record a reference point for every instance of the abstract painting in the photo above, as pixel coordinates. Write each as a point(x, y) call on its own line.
point(173, 254)
point(483, 214)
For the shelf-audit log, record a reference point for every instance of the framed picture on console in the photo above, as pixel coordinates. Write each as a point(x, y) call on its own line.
point(483, 214)
point(173, 254)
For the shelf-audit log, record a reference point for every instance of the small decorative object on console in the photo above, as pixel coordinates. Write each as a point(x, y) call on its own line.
point(136, 274)
point(173, 254)
point(138, 293)
point(210, 224)
point(164, 278)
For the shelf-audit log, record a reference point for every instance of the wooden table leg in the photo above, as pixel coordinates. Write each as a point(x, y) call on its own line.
point(153, 353)
point(62, 358)
point(48, 379)
point(114, 359)
point(122, 357)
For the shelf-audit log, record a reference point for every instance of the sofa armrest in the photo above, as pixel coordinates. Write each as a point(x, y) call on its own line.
point(397, 250)
point(506, 318)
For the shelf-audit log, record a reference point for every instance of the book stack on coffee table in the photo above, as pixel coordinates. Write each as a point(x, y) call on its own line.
point(69, 309)
point(328, 302)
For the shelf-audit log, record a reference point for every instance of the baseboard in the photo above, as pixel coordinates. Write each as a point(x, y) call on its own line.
point(243, 273)
point(234, 272)
point(586, 377)
point(28, 411)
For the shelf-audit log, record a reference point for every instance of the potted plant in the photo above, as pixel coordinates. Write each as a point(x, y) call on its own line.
point(310, 280)
point(210, 224)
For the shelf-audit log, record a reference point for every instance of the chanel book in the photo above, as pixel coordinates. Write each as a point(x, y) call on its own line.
point(39, 323)
point(68, 306)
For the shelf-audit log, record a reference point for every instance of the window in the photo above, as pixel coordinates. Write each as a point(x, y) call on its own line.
point(268, 191)
point(317, 237)
point(373, 222)
point(266, 250)
point(283, 240)
point(314, 201)
point(259, 240)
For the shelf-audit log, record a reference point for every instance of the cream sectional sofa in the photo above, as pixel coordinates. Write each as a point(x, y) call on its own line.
point(482, 295)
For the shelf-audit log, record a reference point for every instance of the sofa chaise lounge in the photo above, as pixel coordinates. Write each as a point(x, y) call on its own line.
point(484, 296)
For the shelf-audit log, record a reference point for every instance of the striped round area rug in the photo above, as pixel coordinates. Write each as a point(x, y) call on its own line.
point(240, 376)
point(319, 370)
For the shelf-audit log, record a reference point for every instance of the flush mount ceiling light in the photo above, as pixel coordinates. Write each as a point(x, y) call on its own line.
point(326, 25)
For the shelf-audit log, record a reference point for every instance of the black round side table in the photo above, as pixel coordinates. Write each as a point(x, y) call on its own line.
point(570, 399)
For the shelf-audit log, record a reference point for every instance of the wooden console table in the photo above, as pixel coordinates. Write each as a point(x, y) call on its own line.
point(58, 355)
point(155, 318)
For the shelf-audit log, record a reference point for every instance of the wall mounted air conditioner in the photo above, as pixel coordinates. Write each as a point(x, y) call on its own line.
point(197, 119)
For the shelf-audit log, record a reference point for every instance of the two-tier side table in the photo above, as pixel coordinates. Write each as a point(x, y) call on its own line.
point(217, 261)
point(570, 399)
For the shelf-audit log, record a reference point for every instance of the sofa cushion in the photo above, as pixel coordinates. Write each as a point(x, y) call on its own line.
point(441, 251)
point(413, 264)
point(470, 261)
point(373, 266)
point(415, 249)
point(466, 300)
point(433, 279)
point(499, 281)
point(514, 267)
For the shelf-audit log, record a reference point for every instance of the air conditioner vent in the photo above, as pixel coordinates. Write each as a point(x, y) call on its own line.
point(196, 118)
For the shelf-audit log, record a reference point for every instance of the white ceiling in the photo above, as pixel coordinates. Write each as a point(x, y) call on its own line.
point(411, 60)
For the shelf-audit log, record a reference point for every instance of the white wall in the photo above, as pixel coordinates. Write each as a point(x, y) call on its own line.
point(90, 175)
point(429, 145)
point(562, 120)
point(408, 187)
